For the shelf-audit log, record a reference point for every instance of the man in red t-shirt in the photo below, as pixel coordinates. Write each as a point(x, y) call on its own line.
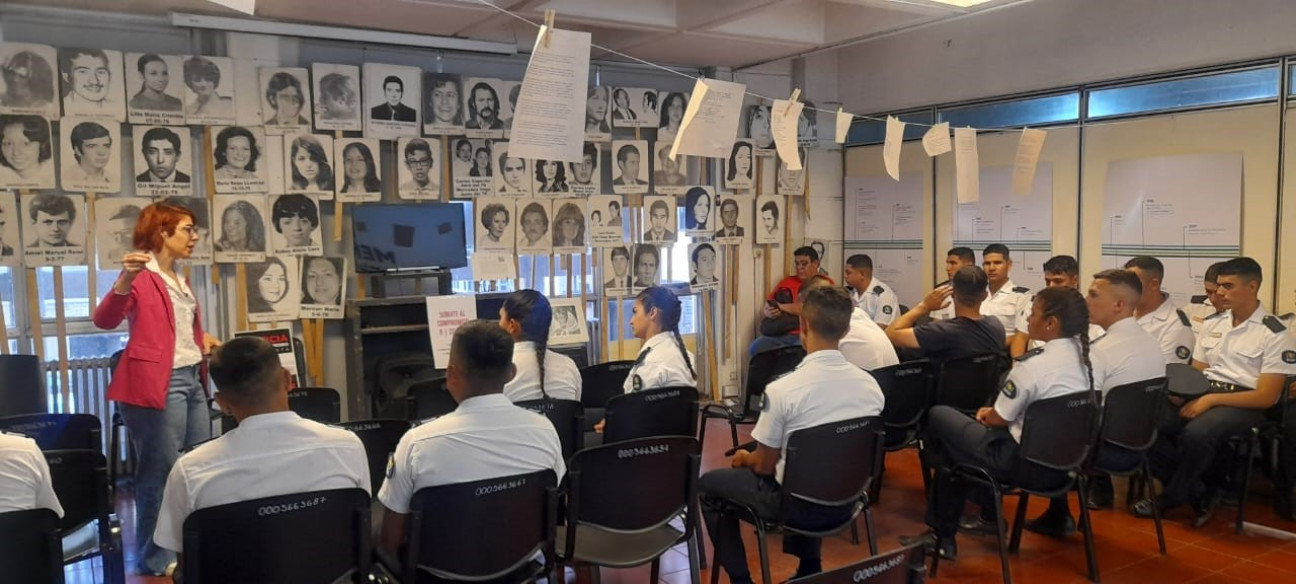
point(779, 325)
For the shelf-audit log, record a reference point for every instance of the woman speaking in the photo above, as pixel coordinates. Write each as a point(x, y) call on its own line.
point(157, 384)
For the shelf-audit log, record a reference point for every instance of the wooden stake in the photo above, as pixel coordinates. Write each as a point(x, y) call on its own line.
point(240, 284)
point(709, 339)
point(211, 196)
point(4, 325)
point(360, 286)
point(33, 307)
point(445, 169)
point(337, 200)
point(60, 323)
point(92, 260)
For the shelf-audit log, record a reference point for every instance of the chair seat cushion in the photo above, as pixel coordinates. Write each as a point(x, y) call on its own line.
point(618, 550)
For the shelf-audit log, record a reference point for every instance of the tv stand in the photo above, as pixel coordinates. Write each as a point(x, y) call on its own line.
point(409, 283)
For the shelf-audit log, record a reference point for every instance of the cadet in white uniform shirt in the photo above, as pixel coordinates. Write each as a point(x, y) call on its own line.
point(1245, 352)
point(1200, 308)
point(807, 397)
point(1158, 315)
point(865, 345)
point(1062, 271)
point(24, 476)
point(870, 294)
point(663, 361)
point(1007, 301)
point(541, 373)
point(486, 437)
point(992, 439)
point(272, 452)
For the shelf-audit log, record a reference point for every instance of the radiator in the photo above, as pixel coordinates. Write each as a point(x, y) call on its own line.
point(86, 392)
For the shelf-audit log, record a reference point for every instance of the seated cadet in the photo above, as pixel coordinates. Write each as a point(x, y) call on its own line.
point(541, 373)
point(273, 451)
point(807, 397)
point(1157, 314)
point(1245, 353)
point(991, 440)
point(1200, 308)
point(778, 327)
point(966, 334)
point(484, 438)
point(865, 344)
point(659, 364)
point(1059, 272)
point(25, 482)
point(869, 293)
point(955, 259)
point(1006, 301)
point(1131, 355)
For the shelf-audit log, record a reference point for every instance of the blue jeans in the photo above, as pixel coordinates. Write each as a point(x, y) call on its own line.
point(764, 343)
point(158, 437)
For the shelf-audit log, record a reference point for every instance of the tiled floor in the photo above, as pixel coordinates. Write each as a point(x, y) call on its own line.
point(1126, 546)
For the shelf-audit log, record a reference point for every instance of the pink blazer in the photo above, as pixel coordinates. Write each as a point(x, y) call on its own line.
point(144, 372)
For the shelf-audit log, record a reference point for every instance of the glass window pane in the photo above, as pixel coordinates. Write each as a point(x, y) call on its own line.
point(89, 346)
point(76, 300)
point(1203, 90)
point(7, 295)
point(866, 132)
point(1034, 111)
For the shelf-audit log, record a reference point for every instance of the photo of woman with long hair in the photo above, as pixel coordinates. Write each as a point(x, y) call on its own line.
point(312, 171)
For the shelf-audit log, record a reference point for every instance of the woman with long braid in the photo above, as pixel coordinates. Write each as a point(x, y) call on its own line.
point(656, 321)
point(526, 316)
point(1060, 318)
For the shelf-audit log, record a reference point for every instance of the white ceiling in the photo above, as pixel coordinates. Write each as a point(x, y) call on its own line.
point(725, 33)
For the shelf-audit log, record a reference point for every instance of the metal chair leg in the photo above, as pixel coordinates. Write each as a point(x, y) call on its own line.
point(697, 543)
point(1091, 556)
point(654, 572)
point(1000, 535)
point(695, 549)
point(764, 555)
point(1253, 444)
point(1156, 511)
point(854, 533)
point(1014, 543)
point(733, 433)
point(868, 526)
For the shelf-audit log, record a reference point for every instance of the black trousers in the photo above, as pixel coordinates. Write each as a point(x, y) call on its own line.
point(1186, 449)
point(724, 492)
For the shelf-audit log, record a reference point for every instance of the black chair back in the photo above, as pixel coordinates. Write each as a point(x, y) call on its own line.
point(907, 565)
point(1186, 380)
point(568, 418)
point(80, 479)
point(22, 389)
point(380, 438)
point(764, 367)
point(664, 411)
point(971, 382)
point(481, 530)
point(299, 353)
point(1130, 414)
point(814, 471)
point(633, 486)
point(32, 547)
point(429, 398)
point(322, 404)
point(1058, 432)
point(907, 388)
point(602, 382)
point(318, 536)
point(58, 431)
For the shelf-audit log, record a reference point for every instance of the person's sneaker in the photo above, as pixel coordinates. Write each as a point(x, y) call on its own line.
point(1205, 508)
point(1100, 499)
point(948, 549)
point(977, 525)
point(1143, 508)
point(1052, 525)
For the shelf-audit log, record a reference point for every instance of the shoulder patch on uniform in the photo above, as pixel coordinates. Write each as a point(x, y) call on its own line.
point(1198, 299)
point(1274, 324)
point(391, 464)
point(1183, 317)
point(1021, 289)
point(636, 382)
point(1289, 356)
point(886, 309)
point(1182, 352)
point(878, 290)
point(1029, 354)
point(764, 402)
point(1010, 389)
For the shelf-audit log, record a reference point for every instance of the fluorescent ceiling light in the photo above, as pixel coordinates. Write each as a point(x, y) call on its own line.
point(960, 3)
point(359, 35)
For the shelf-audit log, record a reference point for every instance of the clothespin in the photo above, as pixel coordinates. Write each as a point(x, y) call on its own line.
point(796, 93)
point(549, 25)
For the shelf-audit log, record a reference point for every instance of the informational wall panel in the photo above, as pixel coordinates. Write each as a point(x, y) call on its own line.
point(883, 218)
point(1024, 223)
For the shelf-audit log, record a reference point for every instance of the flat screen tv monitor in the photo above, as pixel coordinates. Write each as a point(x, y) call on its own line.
point(408, 237)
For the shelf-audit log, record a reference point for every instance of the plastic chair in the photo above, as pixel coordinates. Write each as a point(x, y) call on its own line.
point(322, 404)
point(908, 388)
point(430, 399)
point(58, 431)
point(970, 383)
point(815, 473)
point(906, 565)
point(89, 526)
point(32, 547)
point(664, 411)
point(622, 499)
point(568, 418)
point(317, 536)
point(380, 438)
point(602, 382)
point(22, 389)
point(763, 368)
point(1130, 417)
point(1270, 432)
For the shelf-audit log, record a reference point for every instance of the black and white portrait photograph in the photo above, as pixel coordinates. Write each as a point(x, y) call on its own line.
point(700, 211)
point(735, 220)
point(788, 181)
point(239, 159)
point(617, 279)
point(392, 99)
point(323, 286)
point(26, 152)
point(550, 179)
point(309, 164)
point(240, 228)
point(163, 162)
point(55, 229)
point(114, 228)
point(443, 104)
point(647, 266)
point(248, 91)
point(482, 115)
point(584, 177)
point(755, 126)
point(93, 83)
point(598, 105)
point(605, 227)
point(740, 168)
point(634, 107)
point(359, 177)
point(568, 325)
point(285, 100)
point(495, 224)
point(513, 175)
point(91, 155)
point(9, 220)
point(704, 264)
point(201, 209)
point(769, 219)
point(209, 91)
point(419, 169)
point(272, 290)
point(630, 172)
point(669, 176)
point(472, 167)
point(673, 105)
point(337, 97)
point(152, 97)
point(569, 225)
point(30, 80)
point(808, 125)
point(295, 221)
point(534, 216)
point(659, 220)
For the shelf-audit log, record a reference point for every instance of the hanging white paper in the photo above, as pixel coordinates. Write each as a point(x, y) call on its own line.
point(891, 148)
point(783, 124)
point(445, 314)
point(1028, 153)
point(843, 125)
point(549, 121)
point(493, 265)
point(966, 165)
point(937, 140)
point(710, 122)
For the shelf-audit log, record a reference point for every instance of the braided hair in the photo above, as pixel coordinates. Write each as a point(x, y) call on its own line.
point(532, 310)
point(1071, 310)
point(665, 301)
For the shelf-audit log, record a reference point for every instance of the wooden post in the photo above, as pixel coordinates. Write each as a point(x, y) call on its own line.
point(712, 372)
point(337, 199)
point(240, 284)
point(60, 323)
point(445, 169)
point(4, 326)
point(33, 307)
point(92, 259)
point(360, 286)
point(211, 197)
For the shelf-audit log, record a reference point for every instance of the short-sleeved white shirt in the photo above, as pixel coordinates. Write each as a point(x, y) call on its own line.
point(486, 437)
point(562, 377)
point(879, 301)
point(660, 364)
point(824, 388)
point(1007, 305)
point(1053, 371)
point(267, 455)
point(25, 481)
point(1197, 313)
point(1240, 354)
point(1173, 331)
point(866, 345)
point(1132, 355)
point(1095, 332)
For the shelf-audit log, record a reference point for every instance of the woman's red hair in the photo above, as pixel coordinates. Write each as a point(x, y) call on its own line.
point(156, 222)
